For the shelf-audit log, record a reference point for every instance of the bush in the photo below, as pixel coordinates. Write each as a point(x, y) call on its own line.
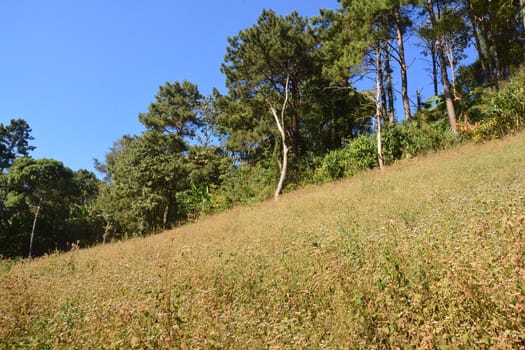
point(405, 140)
point(360, 154)
point(409, 139)
point(363, 153)
point(246, 184)
point(503, 111)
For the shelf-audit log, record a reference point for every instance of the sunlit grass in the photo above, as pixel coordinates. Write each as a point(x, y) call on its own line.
point(428, 254)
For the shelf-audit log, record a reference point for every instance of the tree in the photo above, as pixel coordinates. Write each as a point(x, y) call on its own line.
point(401, 22)
point(266, 67)
point(498, 35)
point(174, 117)
point(379, 88)
point(40, 195)
point(366, 31)
point(14, 141)
point(176, 111)
point(438, 38)
point(361, 24)
point(145, 174)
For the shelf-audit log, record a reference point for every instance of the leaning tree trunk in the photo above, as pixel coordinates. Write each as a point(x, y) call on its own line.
point(279, 121)
point(443, 68)
point(448, 52)
point(449, 99)
point(379, 87)
point(402, 64)
point(33, 230)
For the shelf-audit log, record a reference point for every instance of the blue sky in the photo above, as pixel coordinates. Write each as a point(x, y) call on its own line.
point(80, 72)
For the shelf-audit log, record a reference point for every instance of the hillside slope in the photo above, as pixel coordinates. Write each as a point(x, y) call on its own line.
point(428, 253)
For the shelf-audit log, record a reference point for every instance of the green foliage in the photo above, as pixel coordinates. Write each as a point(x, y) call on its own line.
point(157, 180)
point(146, 174)
point(358, 155)
point(409, 139)
point(333, 166)
point(65, 199)
point(244, 183)
point(259, 62)
point(503, 111)
point(14, 142)
point(400, 141)
point(267, 66)
point(176, 110)
point(363, 152)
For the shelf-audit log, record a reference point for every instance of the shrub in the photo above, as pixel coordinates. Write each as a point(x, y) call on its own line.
point(246, 183)
point(363, 153)
point(503, 111)
point(360, 154)
point(409, 139)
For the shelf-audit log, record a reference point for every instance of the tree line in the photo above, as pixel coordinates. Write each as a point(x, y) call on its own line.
point(291, 115)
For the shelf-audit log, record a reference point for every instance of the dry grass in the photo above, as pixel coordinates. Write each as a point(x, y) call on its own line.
point(428, 254)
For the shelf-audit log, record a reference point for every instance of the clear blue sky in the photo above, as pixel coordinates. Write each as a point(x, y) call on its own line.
point(79, 72)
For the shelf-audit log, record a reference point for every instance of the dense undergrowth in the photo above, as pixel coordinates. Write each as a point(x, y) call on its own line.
point(427, 254)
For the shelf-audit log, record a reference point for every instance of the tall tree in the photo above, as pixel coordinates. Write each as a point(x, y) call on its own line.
point(171, 120)
point(362, 29)
point(146, 173)
point(499, 36)
point(438, 38)
point(379, 88)
point(176, 110)
point(14, 141)
point(482, 55)
point(389, 96)
point(401, 22)
point(266, 67)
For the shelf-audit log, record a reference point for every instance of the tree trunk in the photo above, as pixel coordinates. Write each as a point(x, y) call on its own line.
point(279, 121)
point(449, 99)
point(477, 42)
point(492, 58)
point(389, 98)
point(33, 230)
point(522, 6)
point(165, 216)
point(444, 74)
point(402, 64)
point(383, 100)
point(379, 86)
point(434, 68)
point(447, 51)
point(294, 100)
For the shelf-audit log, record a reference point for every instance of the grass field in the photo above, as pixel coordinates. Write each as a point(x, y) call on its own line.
point(428, 254)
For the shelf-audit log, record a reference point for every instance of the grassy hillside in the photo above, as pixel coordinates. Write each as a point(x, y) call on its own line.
point(428, 254)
